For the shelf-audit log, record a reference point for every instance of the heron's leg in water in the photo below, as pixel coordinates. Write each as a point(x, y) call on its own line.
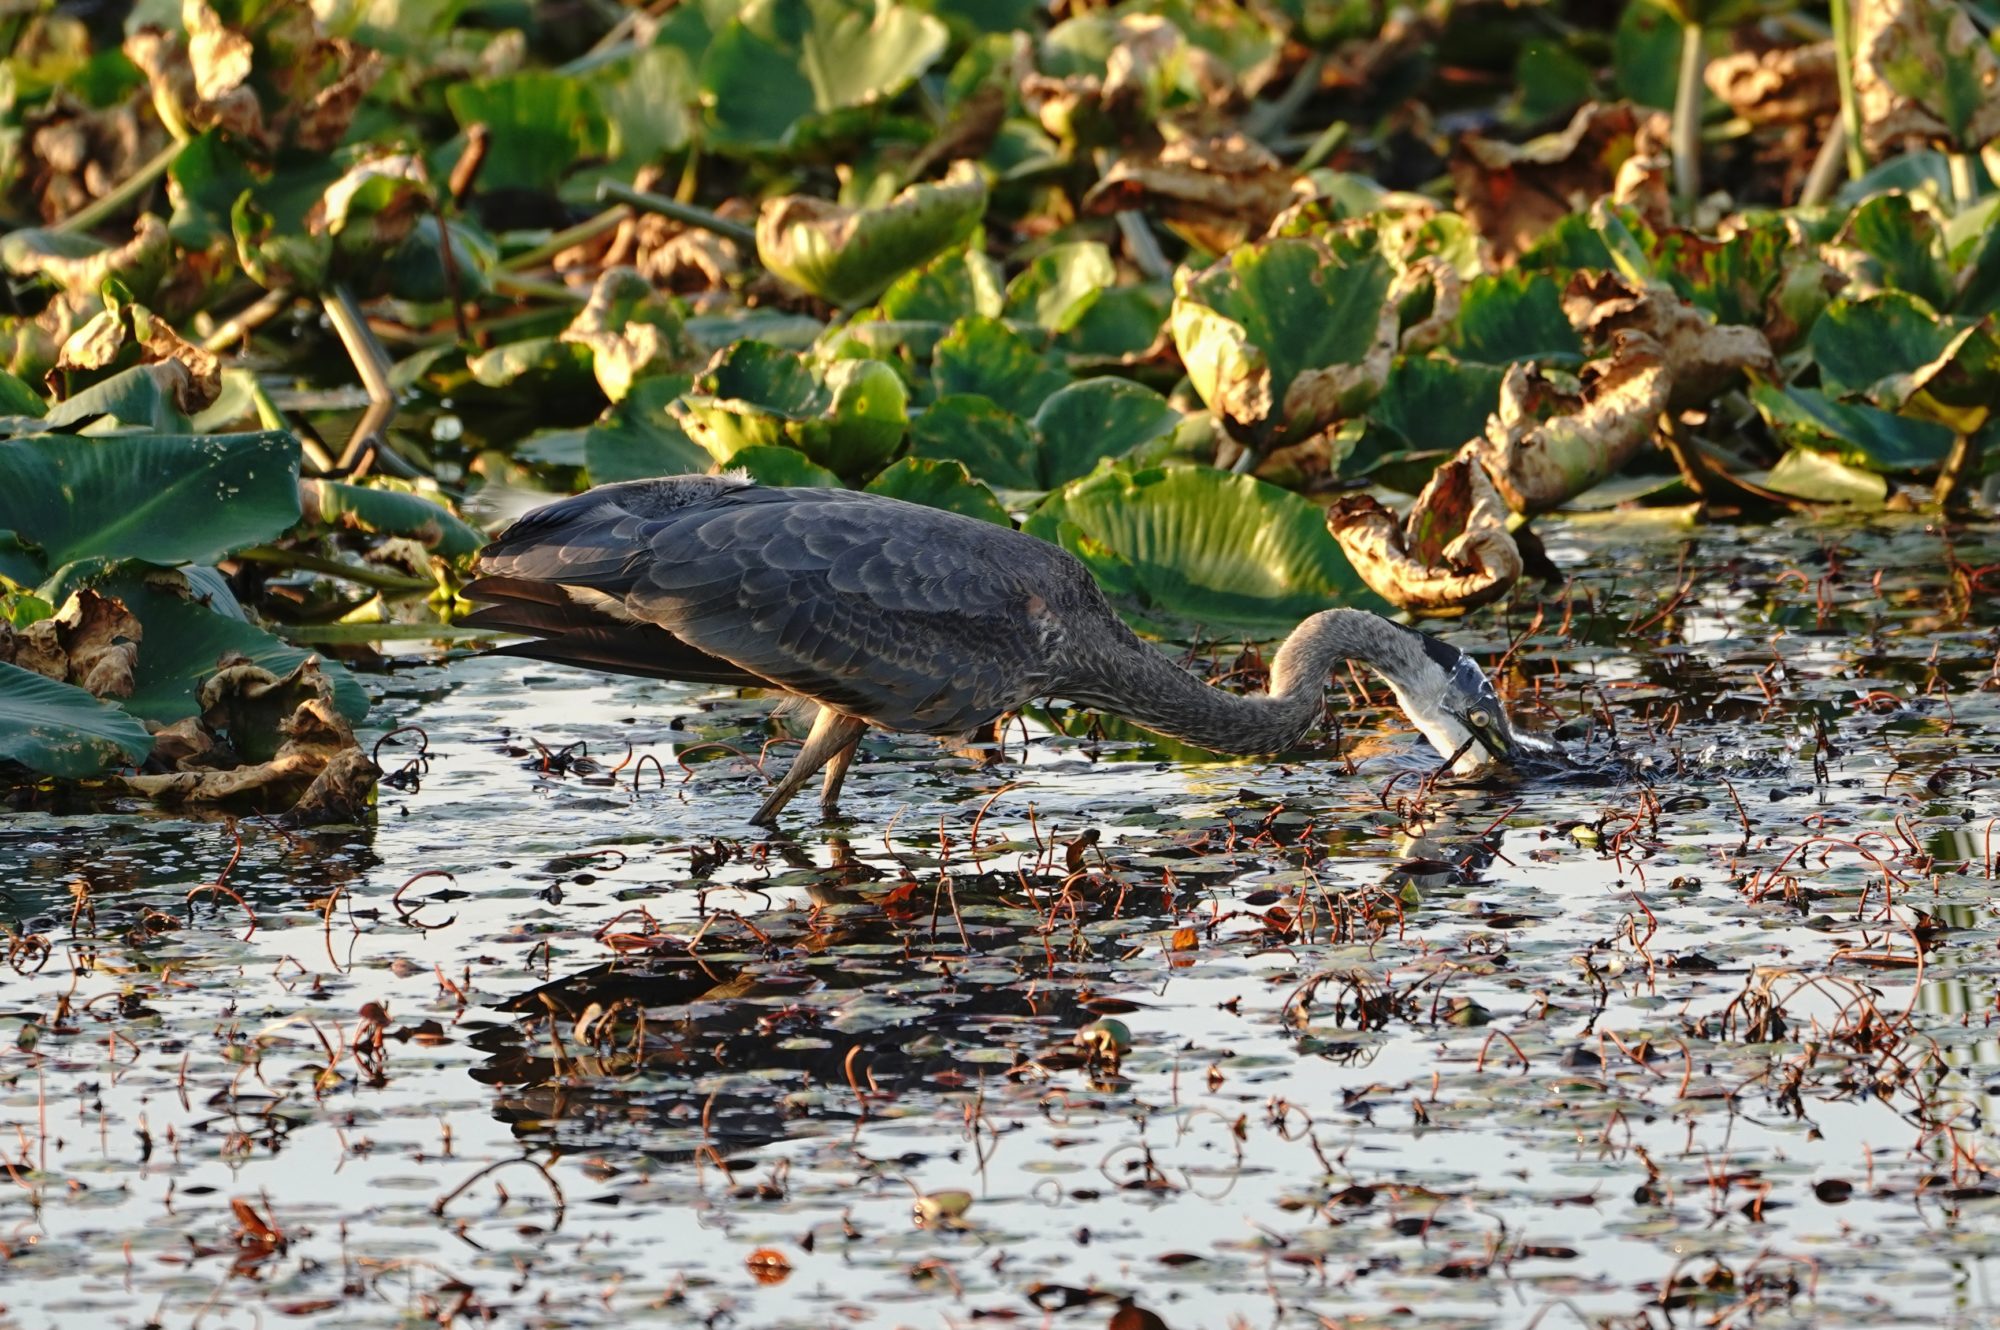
point(836, 772)
point(832, 734)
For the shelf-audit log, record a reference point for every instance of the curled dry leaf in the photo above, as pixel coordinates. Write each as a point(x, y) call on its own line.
point(1514, 192)
point(630, 332)
point(79, 154)
point(1451, 554)
point(1921, 69)
point(140, 262)
point(120, 335)
point(1547, 444)
point(1214, 192)
point(300, 751)
point(92, 642)
point(1447, 293)
point(1782, 86)
point(1703, 357)
point(273, 81)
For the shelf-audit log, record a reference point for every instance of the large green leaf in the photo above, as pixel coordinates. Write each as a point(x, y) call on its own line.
point(848, 416)
point(60, 730)
point(1060, 286)
point(1858, 434)
point(539, 123)
point(986, 357)
point(1434, 402)
point(779, 61)
point(990, 441)
point(940, 484)
point(948, 288)
point(1081, 425)
point(167, 498)
point(1513, 316)
point(1202, 545)
point(1893, 348)
point(849, 256)
point(1280, 339)
point(1905, 240)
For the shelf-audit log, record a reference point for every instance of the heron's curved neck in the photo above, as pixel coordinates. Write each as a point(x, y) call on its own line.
point(1146, 687)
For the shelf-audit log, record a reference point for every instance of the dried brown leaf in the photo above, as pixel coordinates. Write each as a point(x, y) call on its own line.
point(1452, 553)
point(1782, 86)
point(1215, 192)
point(1705, 358)
point(1546, 444)
point(1515, 192)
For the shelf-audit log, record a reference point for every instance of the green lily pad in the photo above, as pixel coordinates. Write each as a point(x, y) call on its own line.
point(1905, 239)
point(380, 508)
point(990, 441)
point(1435, 402)
point(1860, 435)
point(141, 397)
point(775, 464)
point(1514, 316)
point(1060, 286)
point(948, 288)
point(986, 357)
point(1891, 346)
point(940, 484)
point(18, 399)
point(539, 123)
point(1203, 546)
point(1081, 425)
point(640, 437)
point(1280, 339)
point(849, 256)
point(58, 729)
point(778, 62)
point(848, 416)
point(166, 498)
point(1979, 278)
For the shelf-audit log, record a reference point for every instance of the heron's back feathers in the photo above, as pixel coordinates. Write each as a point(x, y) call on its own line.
point(907, 616)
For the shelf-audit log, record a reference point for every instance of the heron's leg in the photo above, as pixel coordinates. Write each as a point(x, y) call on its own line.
point(836, 772)
point(832, 733)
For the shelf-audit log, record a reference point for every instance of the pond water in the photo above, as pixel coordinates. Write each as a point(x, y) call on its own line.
point(1704, 1040)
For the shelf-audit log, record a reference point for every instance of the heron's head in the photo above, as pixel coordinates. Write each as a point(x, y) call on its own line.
point(1451, 702)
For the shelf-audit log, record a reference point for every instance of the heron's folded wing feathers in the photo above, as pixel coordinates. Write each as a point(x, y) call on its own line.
point(912, 618)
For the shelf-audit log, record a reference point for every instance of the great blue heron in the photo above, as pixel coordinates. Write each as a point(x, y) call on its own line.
point(892, 614)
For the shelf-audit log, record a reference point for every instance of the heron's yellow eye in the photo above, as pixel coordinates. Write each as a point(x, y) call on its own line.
point(1479, 718)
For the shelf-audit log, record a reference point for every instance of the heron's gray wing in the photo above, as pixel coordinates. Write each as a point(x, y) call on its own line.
point(911, 617)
